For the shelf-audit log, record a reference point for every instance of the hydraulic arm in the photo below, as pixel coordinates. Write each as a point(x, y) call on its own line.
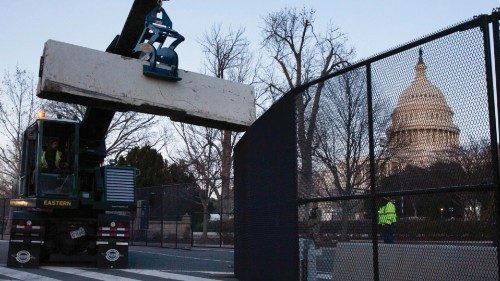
point(95, 124)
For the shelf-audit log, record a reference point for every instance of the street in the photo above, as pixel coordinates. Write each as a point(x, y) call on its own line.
point(146, 263)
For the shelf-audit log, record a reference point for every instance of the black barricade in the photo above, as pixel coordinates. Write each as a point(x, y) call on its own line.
point(396, 168)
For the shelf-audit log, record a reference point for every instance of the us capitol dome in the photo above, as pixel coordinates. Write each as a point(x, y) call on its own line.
point(422, 130)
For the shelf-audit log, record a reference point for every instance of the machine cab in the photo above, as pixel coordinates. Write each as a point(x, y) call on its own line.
point(50, 159)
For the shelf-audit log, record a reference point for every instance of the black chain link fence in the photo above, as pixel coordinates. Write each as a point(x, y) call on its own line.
point(171, 216)
point(174, 216)
point(5, 218)
point(398, 163)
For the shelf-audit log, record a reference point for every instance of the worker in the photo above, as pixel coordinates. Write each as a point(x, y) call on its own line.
point(314, 221)
point(51, 157)
point(387, 220)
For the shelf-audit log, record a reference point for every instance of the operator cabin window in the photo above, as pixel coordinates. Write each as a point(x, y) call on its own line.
point(28, 166)
point(57, 157)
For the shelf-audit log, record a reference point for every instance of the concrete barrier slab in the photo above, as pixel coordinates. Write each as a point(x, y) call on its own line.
point(353, 261)
point(75, 74)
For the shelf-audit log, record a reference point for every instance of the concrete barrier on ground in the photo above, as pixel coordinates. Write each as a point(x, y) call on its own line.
point(307, 256)
point(354, 261)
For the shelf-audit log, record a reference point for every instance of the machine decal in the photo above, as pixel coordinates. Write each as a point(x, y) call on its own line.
point(23, 256)
point(112, 255)
point(58, 203)
point(77, 233)
point(21, 203)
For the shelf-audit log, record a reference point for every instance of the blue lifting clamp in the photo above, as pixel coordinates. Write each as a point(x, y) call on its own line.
point(163, 61)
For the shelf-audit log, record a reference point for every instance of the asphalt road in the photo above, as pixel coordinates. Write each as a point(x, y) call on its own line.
point(153, 263)
point(146, 263)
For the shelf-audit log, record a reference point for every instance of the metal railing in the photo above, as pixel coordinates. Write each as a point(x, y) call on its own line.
point(168, 216)
point(174, 218)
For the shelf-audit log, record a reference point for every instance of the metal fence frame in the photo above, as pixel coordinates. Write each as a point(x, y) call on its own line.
point(4, 231)
point(168, 216)
point(374, 196)
point(164, 216)
point(244, 164)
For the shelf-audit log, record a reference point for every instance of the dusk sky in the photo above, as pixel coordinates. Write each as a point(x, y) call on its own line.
point(372, 26)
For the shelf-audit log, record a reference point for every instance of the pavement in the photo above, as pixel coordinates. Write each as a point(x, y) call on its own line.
point(146, 263)
point(212, 264)
point(154, 263)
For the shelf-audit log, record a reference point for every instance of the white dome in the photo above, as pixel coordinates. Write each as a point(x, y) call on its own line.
point(422, 119)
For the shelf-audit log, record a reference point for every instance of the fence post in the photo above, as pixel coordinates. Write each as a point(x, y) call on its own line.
point(492, 119)
point(161, 218)
point(373, 181)
point(176, 214)
point(3, 216)
point(149, 218)
point(132, 229)
point(220, 214)
point(192, 230)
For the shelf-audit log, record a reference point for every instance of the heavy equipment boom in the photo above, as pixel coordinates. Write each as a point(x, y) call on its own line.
point(96, 121)
point(67, 198)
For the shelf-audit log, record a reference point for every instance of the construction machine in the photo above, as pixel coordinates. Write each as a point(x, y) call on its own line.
point(70, 205)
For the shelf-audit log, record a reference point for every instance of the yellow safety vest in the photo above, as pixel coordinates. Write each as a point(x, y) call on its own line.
point(387, 214)
point(58, 159)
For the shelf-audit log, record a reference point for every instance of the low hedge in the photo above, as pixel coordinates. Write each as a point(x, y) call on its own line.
point(412, 230)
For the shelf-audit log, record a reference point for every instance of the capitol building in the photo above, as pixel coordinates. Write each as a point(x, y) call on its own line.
point(422, 129)
point(421, 132)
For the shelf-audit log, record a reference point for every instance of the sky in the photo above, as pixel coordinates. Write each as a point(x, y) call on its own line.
point(372, 26)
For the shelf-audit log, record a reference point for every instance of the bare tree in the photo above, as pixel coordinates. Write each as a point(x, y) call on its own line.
point(475, 161)
point(341, 138)
point(208, 152)
point(127, 130)
point(227, 56)
point(226, 52)
point(300, 54)
point(5, 187)
point(202, 156)
point(18, 104)
point(341, 141)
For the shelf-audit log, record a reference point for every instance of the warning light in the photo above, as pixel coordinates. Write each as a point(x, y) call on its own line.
point(40, 114)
